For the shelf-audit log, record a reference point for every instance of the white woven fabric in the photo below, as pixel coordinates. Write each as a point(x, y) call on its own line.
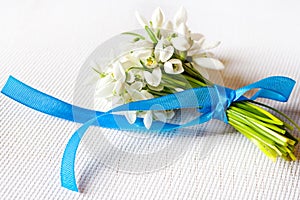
point(44, 44)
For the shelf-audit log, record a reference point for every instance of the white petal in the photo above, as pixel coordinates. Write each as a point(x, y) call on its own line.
point(158, 88)
point(170, 114)
point(180, 43)
point(146, 94)
point(153, 78)
point(119, 87)
point(160, 115)
point(179, 89)
point(195, 48)
point(209, 63)
point(104, 91)
point(137, 85)
point(130, 77)
point(130, 116)
point(143, 22)
point(183, 30)
point(158, 49)
point(148, 119)
point(116, 101)
point(126, 98)
point(135, 95)
point(173, 66)
point(157, 18)
point(157, 74)
point(192, 52)
point(169, 25)
point(197, 36)
point(202, 71)
point(180, 16)
point(143, 44)
point(166, 53)
point(176, 61)
point(142, 53)
point(168, 67)
point(133, 59)
point(210, 45)
point(119, 73)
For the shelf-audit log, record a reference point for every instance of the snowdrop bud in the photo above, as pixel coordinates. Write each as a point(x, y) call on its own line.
point(180, 16)
point(157, 18)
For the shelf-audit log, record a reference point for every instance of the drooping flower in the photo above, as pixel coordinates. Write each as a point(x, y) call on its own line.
point(173, 66)
point(153, 78)
point(163, 51)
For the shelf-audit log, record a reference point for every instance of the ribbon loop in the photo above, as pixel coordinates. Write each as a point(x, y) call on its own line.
point(276, 88)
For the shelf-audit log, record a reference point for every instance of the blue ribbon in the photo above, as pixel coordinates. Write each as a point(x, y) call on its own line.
point(211, 101)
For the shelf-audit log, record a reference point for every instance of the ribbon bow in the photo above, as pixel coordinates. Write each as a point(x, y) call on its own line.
point(211, 101)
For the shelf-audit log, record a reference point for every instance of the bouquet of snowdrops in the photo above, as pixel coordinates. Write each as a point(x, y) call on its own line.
point(172, 59)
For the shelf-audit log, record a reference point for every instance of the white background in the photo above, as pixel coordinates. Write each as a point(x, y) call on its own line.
point(44, 43)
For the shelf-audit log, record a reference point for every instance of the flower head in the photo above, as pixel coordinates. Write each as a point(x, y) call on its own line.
point(157, 66)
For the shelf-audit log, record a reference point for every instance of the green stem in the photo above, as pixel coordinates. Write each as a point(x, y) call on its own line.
point(279, 112)
point(250, 114)
point(193, 80)
point(195, 74)
point(170, 80)
point(135, 34)
point(151, 34)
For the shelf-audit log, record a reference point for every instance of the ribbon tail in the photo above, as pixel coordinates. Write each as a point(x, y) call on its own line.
point(67, 172)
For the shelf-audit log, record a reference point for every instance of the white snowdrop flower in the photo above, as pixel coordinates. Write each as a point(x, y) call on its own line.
point(173, 66)
point(181, 43)
point(153, 78)
point(162, 53)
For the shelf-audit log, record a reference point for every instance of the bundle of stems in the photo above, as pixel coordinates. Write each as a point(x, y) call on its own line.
point(270, 133)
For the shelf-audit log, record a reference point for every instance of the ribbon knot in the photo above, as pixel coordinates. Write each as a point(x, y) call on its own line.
point(211, 101)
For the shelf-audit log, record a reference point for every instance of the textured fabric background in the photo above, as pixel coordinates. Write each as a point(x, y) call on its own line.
point(44, 44)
